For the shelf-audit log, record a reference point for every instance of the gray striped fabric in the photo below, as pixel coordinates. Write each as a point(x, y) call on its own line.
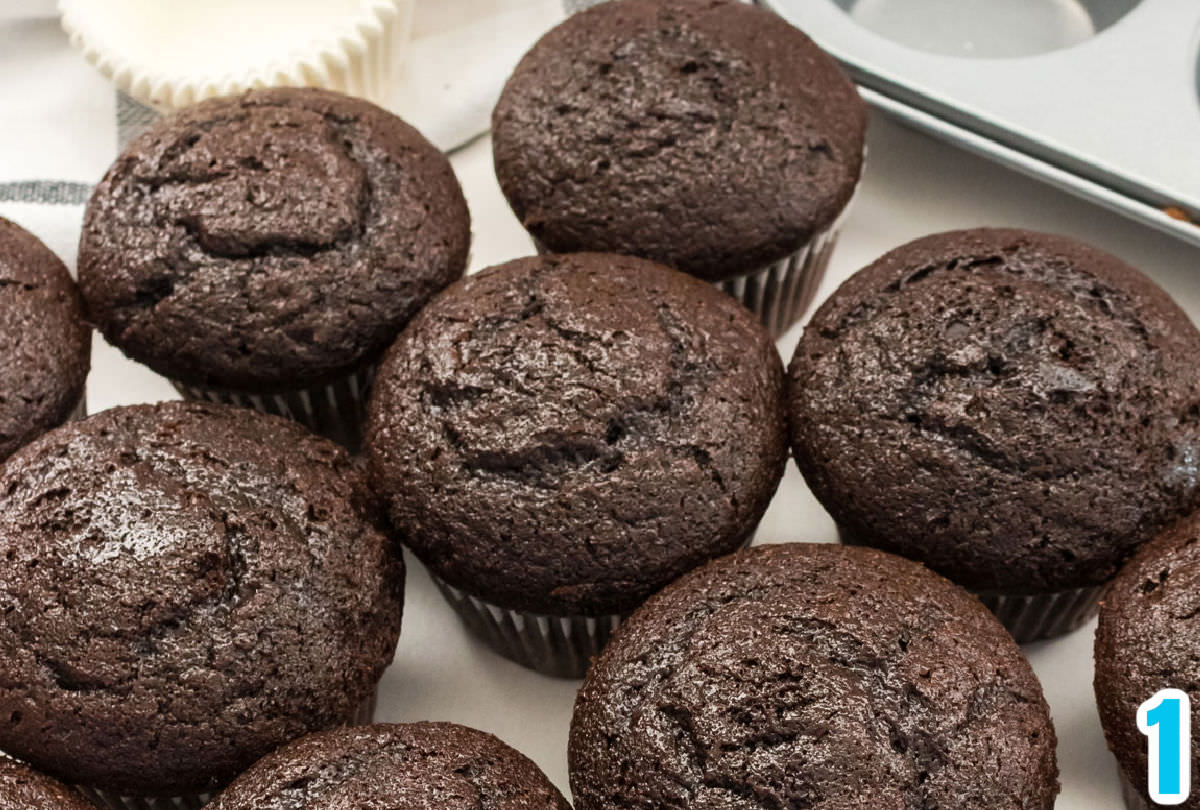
point(132, 118)
point(47, 192)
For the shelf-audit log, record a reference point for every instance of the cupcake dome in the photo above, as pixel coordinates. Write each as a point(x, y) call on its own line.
point(22, 788)
point(1149, 639)
point(185, 588)
point(1019, 411)
point(815, 676)
point(709, 135)
point(567, 434)
point(270, 241)
point(45, 345)
point(418, 765)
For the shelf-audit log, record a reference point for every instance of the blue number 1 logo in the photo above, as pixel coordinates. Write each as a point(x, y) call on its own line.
point(1166, 719)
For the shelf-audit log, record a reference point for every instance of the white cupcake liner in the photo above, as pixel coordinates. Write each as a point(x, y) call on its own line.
point(171, 55)
point(335, 410)
point(363, 715)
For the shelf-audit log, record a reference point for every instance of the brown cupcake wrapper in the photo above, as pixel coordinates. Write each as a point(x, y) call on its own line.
point(1135, 798)
point(782, 292)
point(80, 412)
point(1037, 617)
point(335, 410)
point(1031, 617)
point(558, 646)
point(362, 715)
point(111, 801)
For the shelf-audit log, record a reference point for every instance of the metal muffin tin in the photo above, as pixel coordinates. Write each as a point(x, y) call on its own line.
point(1112, 115)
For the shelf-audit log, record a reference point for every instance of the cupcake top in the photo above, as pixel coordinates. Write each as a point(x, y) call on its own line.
point(275, 240)
point(186, 587)
point(1017, 410)
point(568, 434)
point(45, 346)
point(1148, 639)
point(412, 766)
point(709, 135)
point(799, 675)
point(23, 788)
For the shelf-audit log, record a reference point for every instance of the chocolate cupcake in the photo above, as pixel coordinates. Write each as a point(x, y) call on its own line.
point(264, 250)
point(45, 344)
point(814, 676)
point(186, 587)
point(1148, 640)
point(709, 135)
point(23, 788)
point(435, 765)
point(560, 436)
point(1016, 410)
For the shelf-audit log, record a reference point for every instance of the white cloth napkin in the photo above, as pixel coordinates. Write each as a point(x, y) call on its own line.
point(63, 123)
point(58, 133)
point(462, 53)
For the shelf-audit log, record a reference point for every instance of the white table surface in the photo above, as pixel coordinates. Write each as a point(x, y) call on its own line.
point(913, 186)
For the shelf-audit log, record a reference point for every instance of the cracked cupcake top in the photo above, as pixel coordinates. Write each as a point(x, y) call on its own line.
point(1016, 410)
point(401, 767)
point(274, 240)
point(185, 587)
point(568, 434)
point(22, 788)
point(1146, 641)
point(812, 676)
point(45, 345)
point(709, 135)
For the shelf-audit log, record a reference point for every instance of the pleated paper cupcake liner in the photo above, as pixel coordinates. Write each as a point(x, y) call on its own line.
point(1135, 797)
point(171, 55)
point(335, 410)
point(782, 292)
point(363, 715)
point(558, 646)
point(112, 801)
point(80, 411)
point(1036, 617)
point(1031, 617)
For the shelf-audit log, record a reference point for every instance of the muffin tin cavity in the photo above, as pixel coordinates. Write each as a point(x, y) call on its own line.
point(1045, 78)
point(985, 28)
